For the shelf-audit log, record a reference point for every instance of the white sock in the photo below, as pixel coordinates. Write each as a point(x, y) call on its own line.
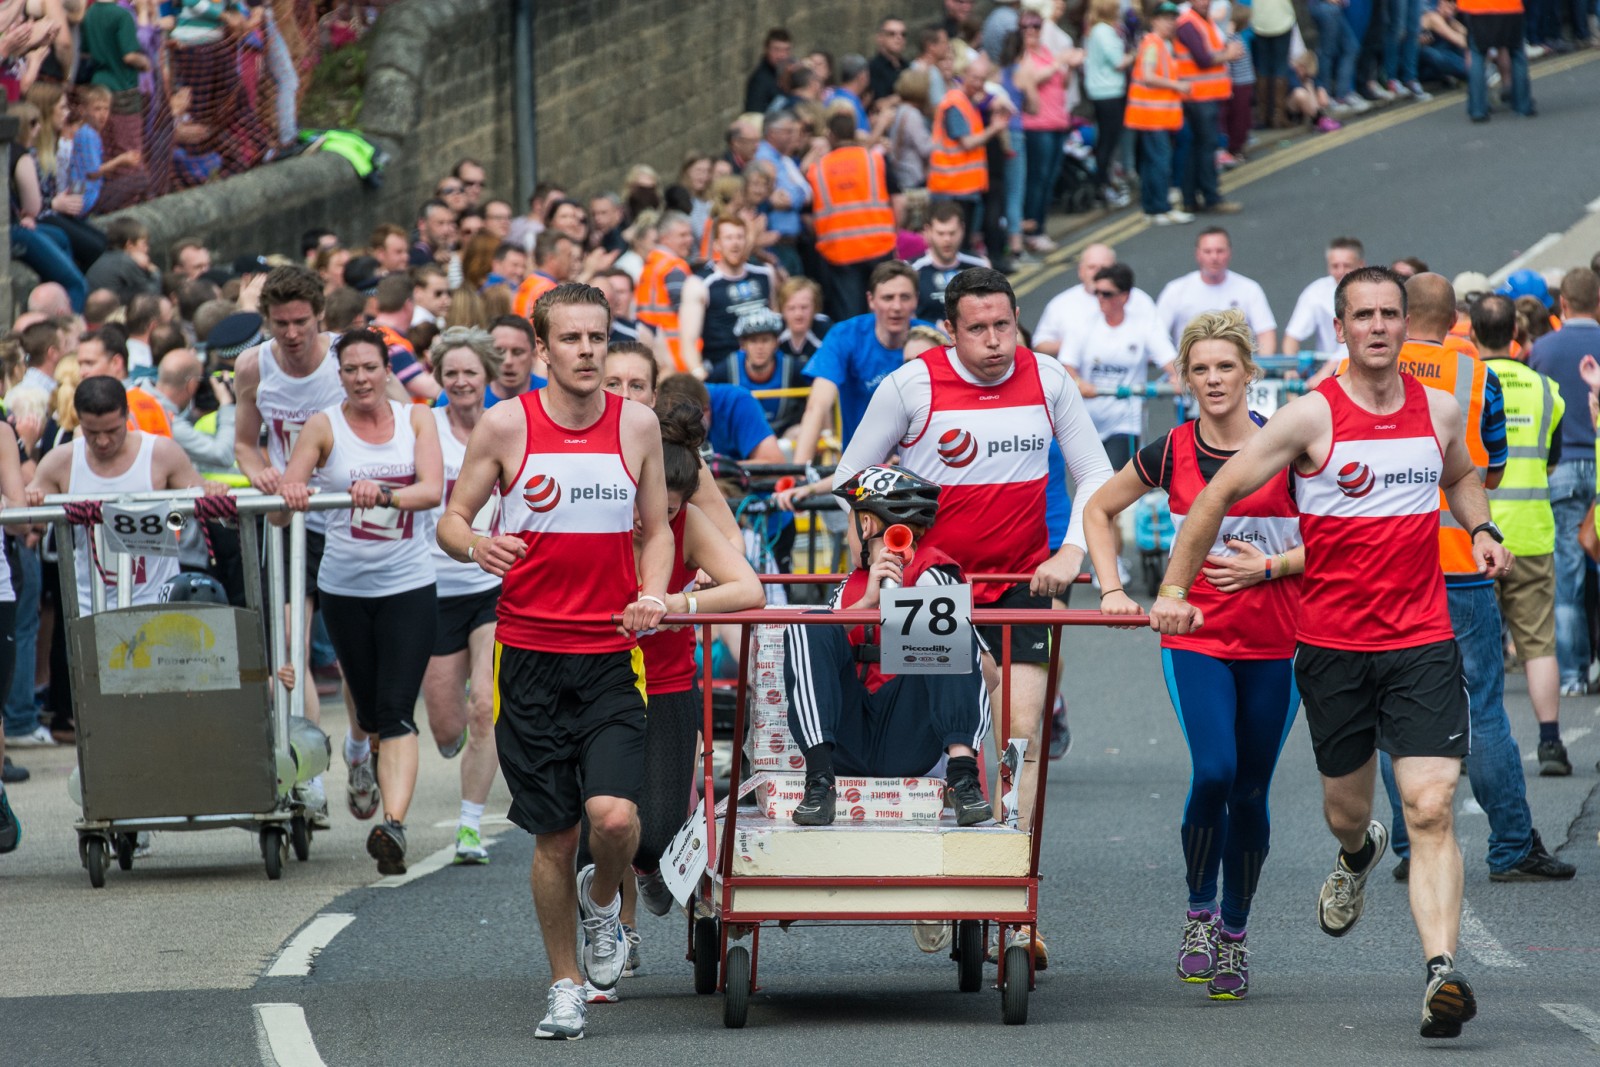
point(471, 814)
point(356, 751)
point(608, 910)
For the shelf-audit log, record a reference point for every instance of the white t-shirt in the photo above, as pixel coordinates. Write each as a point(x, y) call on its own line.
point(1312, 321)
point(1073, 310)
point(1109, 356)
point(1188, 296)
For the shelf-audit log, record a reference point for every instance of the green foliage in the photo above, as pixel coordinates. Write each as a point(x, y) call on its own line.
point(333, 99)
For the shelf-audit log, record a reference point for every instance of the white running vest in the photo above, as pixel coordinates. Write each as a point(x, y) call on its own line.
point(453, 578)
point(373, 552)
point(286, 402)
point(150, 573)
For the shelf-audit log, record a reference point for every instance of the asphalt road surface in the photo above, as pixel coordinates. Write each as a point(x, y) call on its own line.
point(169, 963)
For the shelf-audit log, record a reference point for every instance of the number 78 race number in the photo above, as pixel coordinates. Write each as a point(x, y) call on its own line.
point(926, 630)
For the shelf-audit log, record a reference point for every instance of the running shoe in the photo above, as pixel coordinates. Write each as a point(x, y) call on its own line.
point(10, 828)
point(605, 950)
point(1553, 761)
point(469, 847)
point(816, 808)
point(452, 750)
point(1197, 954)
point(1041, 955)
point(1328, 125)
point(592, 995)
point(931, 935)
point(1060, 731)
point(1574, 689)
point(1448, 1003)
point(631, 936)
point(1402, 870)
point(654, 894)
point(1343, 894)
point(11, 774)
point(966, 800)
point(387, 844)
point(565, 1012)
point(1418, 92)
point(1537, 866)
point(38, 737)
point(1232, 980)
point(315, 800)
point(144, 844)
point(362, 788)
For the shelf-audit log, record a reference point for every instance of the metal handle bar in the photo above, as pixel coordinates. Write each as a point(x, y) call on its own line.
point(980, 617)
point(181, 503)
point(1158, 389)
point(829, 579)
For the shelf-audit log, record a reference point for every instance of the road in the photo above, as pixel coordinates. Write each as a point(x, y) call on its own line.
point(168, 964)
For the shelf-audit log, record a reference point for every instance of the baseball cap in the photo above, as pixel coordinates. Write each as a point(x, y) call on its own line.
point(1526, 283)
point(1470, 283)
point(250, 265)
point(1165, 8)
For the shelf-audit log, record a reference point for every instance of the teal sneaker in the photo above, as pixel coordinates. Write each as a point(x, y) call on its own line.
point(469, 847)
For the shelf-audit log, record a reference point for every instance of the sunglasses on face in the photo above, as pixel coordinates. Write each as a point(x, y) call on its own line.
point(473, 185)
point(1107, 294)
point(450, 190)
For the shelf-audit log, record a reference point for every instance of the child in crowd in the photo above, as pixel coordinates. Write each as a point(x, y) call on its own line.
point(1233, 21)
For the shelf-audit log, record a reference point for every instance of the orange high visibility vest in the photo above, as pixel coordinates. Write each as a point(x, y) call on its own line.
point(1150, 108)
point(654, 301)
point(1466, 379)
point(528, 293)
point(146, 413)
point(850, 204)
point(1489, 7)
point(953, 170)
point(1208, 83)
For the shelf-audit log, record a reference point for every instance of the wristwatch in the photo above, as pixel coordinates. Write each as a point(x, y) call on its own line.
point(1491, 529)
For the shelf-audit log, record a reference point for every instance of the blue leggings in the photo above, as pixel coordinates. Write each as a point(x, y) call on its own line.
point(1235, 716)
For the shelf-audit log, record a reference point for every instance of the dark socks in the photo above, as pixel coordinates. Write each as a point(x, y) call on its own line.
point(961, 767)
point(819, 761)
point(1356, 862)
point(1549, 732)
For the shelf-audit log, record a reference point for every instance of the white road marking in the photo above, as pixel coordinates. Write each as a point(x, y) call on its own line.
point(1578, 1017)
point(1499, 276)
point(488, 820)
point(284, 1038)
point(1484, 946)
point(295, 959)
point(1593, 205)
point(1577, 733)
point(436, 861)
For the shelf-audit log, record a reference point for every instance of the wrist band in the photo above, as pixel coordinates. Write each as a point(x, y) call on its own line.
point(473, 547)
point(655, 599)
point(694, 608)
point(1107, 592)
point(1173, 592)
point(1267, 568)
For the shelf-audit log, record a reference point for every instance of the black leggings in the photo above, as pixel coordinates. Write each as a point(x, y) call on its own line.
point(1107, 137)
point(669, 772)
point(383, 643)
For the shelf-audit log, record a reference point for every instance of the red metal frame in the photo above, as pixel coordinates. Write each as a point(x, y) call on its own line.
point(722, 903)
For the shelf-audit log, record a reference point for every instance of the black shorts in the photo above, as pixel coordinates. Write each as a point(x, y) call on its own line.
point(459, 616)
point(1029, 644)
point(315, 543)
point(1406, 702)
point(1120, 448)
point(1495, 31)
point(569, 726)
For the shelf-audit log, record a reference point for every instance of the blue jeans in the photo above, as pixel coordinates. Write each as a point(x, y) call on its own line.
point(1272, 56)
point(21, 717)
point(47, 250)
point(1436, 63)
point(1494, 763)
point(1571, 493)
point(1405, 23)
point(1197, 157)
point(1155, 170)
point(1044, 167)
point(1478, 75)
point(1016, 183)
point(1337, 48)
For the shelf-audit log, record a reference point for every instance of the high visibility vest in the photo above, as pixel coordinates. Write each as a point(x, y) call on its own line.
point(654, 302)
point(1520, 504)
point(146, 413)
point(1151, 108)
point(953, 170)
point(1205, 83)
point(850, 203)
point(1489, 7)
point(1466, 379)
point(207, 424)
point(528, 293)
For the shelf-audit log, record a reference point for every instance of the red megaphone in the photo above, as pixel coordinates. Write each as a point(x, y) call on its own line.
point(897, 542)
point(782, 484)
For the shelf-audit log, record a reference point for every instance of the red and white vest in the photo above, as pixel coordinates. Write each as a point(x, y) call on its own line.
point(669, 654)
point(1370, 520)
point(572, 504)
point(855, 587)
point(987, 447)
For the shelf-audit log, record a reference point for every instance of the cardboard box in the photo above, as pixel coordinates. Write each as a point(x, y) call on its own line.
point(771, 749)
point(894, 800)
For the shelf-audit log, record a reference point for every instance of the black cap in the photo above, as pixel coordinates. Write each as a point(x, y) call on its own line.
point(229, 338)
point(250, 265)
point(362, 274)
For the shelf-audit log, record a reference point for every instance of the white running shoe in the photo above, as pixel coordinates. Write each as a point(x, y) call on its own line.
point(565, 1012)
point(38, 737)
point(931, 935)
point(1179, 216)
point(592, 995)
point(631, 936)
point(605, 949)
point(315, 799)
point(1344, 892)
point(362, 789)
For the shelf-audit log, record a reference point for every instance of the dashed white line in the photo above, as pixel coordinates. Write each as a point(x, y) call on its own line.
point(1484, 946)
point(427, 865)
point(1593, 206)
point(295, 959)
point(283, 1037)
point(1578, 1017)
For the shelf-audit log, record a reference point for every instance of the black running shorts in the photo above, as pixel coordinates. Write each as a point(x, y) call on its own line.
point(1029, 644)
point(569, 726)
point(459, 616)
point(1406, 702)
point(315, 543)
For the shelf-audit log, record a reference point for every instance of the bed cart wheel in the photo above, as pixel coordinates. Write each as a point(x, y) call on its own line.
point(273, 842)
point(969, 955)
point(736, 988)
point(1014, 993)
point(126, 843)
point(706, 951)
point(95, 858)
point(300, 837)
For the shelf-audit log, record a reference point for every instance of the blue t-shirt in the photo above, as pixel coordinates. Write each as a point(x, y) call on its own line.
point(1557, 355)
point(852, 358)
point(1492, 426)
point(489, 397)
point(738, 424)
point(1057, 504)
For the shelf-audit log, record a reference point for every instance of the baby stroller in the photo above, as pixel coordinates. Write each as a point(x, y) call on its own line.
point(1075, 185)
point(1153, 532)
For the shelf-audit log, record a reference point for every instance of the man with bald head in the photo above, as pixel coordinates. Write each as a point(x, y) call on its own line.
point(1074, 309)
point(1494, 763)
point(50, 299)
point(179, 379)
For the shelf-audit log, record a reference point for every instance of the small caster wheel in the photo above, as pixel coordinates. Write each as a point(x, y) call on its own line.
point(1014, 991)
point(126, 843)
point(736, 988)
point(969, 955)
point(707, 953)
point(300, 837)
point(274, 845)
point(95, 860)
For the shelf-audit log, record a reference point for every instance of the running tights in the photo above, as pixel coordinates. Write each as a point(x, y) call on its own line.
point(1235, 715)
point(384, 643)
point(669, 770)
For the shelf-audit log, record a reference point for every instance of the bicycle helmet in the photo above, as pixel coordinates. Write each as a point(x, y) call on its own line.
point(762, 320)
point(193, 589)
point(893, 494)
point(727, 473)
